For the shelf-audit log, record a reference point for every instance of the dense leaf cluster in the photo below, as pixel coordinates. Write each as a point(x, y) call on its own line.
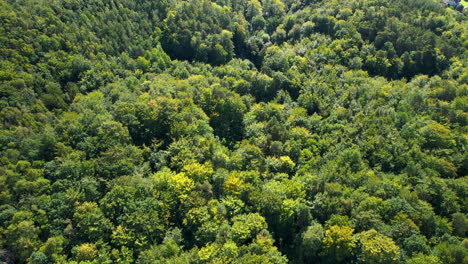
point(233, 131)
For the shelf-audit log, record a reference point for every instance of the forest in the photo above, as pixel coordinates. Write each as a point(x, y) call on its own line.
point(233, 132)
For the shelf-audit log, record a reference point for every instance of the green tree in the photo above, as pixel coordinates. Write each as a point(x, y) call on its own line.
point(22, 238)
point(91, 223)
point(377, 248)
point(311, 242)
point(245, 227)
point(339, 244)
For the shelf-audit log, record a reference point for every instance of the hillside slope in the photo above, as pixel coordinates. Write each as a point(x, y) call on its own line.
point(233, 131)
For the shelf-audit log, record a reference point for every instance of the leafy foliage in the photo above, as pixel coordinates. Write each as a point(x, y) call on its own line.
point(233, 131)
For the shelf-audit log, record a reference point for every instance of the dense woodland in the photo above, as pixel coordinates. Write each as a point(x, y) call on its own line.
point(233, 131)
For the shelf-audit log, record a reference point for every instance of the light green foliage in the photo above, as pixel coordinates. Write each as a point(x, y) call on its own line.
point(339, 243)
point(233, 131)
point(183, 185)
point(86, 252)
point(377, 248)
point(53, 248)
point(436, 135)
point(247, 226)
point(198, 172)
point(90, 222)
point(22, 237)
point(421, 258)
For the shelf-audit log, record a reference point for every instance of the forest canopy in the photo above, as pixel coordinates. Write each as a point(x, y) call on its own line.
point(233, 131)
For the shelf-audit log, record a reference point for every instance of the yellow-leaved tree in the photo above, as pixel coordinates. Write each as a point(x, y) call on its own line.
point(377, 248)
